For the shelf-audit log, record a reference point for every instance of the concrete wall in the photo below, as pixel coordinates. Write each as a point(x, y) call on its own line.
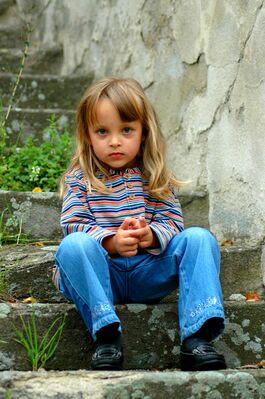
point(202, 63)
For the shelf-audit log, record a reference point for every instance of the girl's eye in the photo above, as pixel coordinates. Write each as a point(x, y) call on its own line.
point(101, 132)
point(127, 130)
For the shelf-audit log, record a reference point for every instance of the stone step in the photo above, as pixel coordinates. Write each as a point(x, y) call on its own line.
point(29, 271)
point(44, 91)
point(40, 212)
point(46, 59)
point(5, 5)
point(82, 384)
point(12, 36)
point(23, 122)
point(150, 335)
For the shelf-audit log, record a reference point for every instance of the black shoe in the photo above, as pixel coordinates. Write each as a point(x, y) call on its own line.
point(202, 357)
point(107, 357)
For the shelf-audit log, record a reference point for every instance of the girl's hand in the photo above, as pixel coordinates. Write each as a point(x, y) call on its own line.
point(123, 242)
point(142, 231)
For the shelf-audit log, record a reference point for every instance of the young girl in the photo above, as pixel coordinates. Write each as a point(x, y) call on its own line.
point(125, 240)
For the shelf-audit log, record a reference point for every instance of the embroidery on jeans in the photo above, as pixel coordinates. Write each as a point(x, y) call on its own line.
point(102, 308)
point(210, 301)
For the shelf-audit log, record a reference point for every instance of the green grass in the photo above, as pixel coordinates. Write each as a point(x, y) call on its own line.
point(39, 348)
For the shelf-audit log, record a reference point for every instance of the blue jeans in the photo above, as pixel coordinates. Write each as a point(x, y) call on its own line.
point(94, 281)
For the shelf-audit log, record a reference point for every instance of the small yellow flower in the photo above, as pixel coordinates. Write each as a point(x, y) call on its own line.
point(37, 190)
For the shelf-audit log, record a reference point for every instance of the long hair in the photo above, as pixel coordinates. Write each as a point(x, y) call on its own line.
point(132, 104)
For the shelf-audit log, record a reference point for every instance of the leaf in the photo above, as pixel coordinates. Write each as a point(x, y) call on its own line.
point(30, 299)
point(38, 244)
point(252, 296)
point(261, 364)
point(37, 190)
point(226, 243)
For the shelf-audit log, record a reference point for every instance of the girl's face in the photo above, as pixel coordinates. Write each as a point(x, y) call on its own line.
point(116, 143)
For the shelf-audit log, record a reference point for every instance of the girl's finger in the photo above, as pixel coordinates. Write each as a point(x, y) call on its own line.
point(125, 224)
point(142, 221)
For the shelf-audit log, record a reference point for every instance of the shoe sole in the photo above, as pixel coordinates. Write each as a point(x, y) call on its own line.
point(210, 362)
point(108, 367)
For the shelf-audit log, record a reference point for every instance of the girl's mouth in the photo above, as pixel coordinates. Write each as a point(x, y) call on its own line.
point(116, 155)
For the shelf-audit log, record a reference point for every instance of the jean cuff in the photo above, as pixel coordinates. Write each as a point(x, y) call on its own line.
point(187, 332)
point(103, 322)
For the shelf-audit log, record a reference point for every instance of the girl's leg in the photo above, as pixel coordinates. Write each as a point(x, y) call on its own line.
point(200, 293)
point(192, 261)
point(85, 279)
point(192, 258)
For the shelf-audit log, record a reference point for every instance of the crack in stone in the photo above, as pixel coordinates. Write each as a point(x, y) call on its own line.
point(232, 85)
point(241, 57)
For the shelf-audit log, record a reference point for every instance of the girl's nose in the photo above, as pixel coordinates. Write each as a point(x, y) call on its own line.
point(114, 141)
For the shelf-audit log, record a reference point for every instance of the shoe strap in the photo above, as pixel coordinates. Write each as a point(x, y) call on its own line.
point(108, 350)
point(204, 348)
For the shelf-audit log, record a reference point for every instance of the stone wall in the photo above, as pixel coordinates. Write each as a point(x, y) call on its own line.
point(202, 62)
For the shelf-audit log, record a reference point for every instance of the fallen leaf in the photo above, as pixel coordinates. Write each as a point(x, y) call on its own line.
point(38, 244)
point(261, 364)
point(37, 190)
point(252, 297)
point(30, 299)
point(226, 243)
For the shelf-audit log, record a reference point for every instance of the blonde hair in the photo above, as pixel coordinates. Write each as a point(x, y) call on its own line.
point(130, 101)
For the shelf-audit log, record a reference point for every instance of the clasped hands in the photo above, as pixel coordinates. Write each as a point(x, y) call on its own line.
point(131, 235)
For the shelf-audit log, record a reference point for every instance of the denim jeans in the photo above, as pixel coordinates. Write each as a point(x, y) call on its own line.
point(95, 282)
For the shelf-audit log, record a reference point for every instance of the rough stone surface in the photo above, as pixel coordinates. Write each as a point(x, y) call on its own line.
point(34, 121)
point(29, 270)
point(39, 212)
point(150, 335)
point(44, 91)
point(134, 385)
point(48, 60)
point(37, 208)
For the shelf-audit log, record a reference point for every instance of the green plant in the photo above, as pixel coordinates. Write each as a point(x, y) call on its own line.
point(39, 349)
point(8, 394)
point(24, 167)
point(28, 30)
point(36, 165)
point(3, 281)
point(11, 229)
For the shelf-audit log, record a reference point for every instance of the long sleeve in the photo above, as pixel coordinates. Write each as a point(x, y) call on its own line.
point(76, 214)
point(167, 221)
point(101, 214)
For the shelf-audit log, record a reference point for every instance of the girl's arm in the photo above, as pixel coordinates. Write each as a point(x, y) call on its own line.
point(167, 221)
point(76, 215)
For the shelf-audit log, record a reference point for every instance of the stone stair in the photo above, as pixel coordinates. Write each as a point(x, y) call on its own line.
point(151, 344)
point(151, 341)
point(41, 91)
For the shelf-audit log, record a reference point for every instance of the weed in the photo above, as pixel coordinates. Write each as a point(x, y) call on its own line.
point(23, 168)
point(3, 281)
point(39, 349)
point(8, 394)
point(11, 229)
point(19, 75)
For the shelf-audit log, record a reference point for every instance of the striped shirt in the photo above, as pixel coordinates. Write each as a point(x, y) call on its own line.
point(100, 214)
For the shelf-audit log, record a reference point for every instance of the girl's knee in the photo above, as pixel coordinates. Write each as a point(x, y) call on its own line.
point(194, 235)
point(199, 234)
point(75, 242)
